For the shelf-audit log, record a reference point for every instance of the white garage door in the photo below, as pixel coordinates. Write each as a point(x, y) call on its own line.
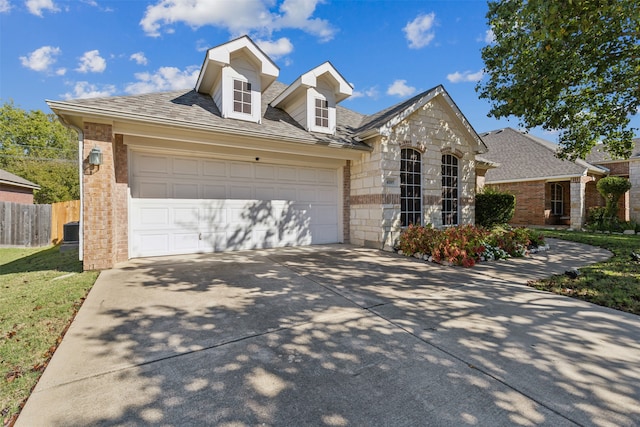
point(185, 205)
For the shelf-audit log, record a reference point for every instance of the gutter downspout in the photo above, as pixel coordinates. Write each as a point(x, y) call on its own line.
point(80, 178)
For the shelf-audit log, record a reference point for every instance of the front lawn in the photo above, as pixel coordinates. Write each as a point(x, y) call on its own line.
point(40, 291)
point(613, 283)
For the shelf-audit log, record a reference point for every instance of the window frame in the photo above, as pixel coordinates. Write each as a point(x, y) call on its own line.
point(411, 188)
point(450, 182)
point(322, 113)
point(245, 97)
point(555, 201)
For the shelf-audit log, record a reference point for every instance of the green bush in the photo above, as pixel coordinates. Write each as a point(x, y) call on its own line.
point(494, 207)
point(612, 188)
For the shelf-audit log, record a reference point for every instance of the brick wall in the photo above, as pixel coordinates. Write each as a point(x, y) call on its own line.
point(530, 202)
point(121, 213)
point(9, 193)
point(99, 220)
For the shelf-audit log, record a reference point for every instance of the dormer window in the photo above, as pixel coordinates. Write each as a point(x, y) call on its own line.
point(322, 113)
point(241, 97)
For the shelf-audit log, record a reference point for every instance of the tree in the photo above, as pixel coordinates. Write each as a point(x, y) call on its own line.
point(570, 66)
point(37, 147)
point(612, 188)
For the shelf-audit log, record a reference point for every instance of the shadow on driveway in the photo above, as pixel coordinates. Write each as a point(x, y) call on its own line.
point(337, 335)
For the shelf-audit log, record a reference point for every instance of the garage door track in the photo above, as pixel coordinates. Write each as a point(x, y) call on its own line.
point(340, 336)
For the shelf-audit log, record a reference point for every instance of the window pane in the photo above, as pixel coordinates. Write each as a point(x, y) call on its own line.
point(410, 187)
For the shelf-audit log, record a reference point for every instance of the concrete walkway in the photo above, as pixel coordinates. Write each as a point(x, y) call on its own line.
point(340, 336)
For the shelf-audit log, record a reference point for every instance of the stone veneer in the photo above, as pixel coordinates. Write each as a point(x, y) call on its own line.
point(375, 180)
point(634, 193)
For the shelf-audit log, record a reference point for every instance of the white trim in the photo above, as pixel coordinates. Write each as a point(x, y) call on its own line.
point(545, 179)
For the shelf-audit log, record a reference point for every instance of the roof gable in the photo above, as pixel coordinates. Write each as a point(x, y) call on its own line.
point(384, 121)
point(221, 56)
point(341, 88)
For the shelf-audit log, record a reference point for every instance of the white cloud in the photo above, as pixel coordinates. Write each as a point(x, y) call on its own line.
point(238, 16)
point(61, 71)
point(400, 88)
point(371, 92)
point(139, 58)
point(489, 36)
point(5, 6)
point(92, 62)
point(202, 45)
point(166, 78)
point(37, 6)
point(419, 32)
point(276, 49)
point(41, 59)
point(89, 90)
point(466, 76)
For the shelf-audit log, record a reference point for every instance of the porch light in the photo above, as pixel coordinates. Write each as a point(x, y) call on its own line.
point(95, 156)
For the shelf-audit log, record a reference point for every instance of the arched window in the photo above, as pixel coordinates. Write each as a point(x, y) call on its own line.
point(557, 199)
point(450, 190)
point(410, 187)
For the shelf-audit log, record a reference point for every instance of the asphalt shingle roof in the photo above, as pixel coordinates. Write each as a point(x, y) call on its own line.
point(523, 156)
point(188, 108)
point(599, 154)
point(11, 179)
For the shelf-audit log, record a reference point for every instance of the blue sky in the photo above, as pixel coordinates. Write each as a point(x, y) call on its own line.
point(388, 50)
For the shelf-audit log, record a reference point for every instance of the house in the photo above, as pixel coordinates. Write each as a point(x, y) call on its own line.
point(549, 190)
point(629, 208)
point(16, 189)
point(244, 161)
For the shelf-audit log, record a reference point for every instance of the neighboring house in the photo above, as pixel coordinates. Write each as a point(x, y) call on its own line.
point(244, 161)
point(548, 190)
point(629, 208)
point(16, 189)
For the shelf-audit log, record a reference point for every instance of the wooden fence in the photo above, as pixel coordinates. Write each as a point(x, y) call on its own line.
point(35, 225)
point(62, 213)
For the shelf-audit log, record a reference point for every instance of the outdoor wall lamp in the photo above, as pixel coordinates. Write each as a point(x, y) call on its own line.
point(95, 156)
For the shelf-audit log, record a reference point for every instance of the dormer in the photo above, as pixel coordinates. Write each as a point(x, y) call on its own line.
point(235, 75)
point(311, 100)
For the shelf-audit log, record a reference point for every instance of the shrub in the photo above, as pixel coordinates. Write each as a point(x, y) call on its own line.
point(494, 207)
point(466, 244)
point(612, 188)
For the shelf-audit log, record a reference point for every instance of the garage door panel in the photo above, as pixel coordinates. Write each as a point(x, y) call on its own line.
point(152, 190)
point(185, 191)
point(185, 167)
point(204, 205)
point(214, 168)
point(150, 164)
point(214, 191)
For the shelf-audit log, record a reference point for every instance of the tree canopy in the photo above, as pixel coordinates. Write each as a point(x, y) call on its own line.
point(568, 66)
point(37, 147)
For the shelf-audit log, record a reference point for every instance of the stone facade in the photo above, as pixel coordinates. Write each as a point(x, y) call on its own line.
point(634, 193)
point(375, 180)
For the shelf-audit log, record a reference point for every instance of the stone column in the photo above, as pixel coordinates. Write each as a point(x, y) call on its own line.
point(578, 201)
point(634, 193)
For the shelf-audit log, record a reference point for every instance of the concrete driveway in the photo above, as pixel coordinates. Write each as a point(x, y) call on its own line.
point(340, 336)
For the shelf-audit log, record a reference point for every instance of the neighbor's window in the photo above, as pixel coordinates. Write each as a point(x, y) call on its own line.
point(410, 187)
point(449, 190)
point(322, 113)
point(241, 97)
point(557, 199)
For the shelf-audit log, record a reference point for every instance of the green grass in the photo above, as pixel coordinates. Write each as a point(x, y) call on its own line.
point(40, 291)
point(613, 283)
